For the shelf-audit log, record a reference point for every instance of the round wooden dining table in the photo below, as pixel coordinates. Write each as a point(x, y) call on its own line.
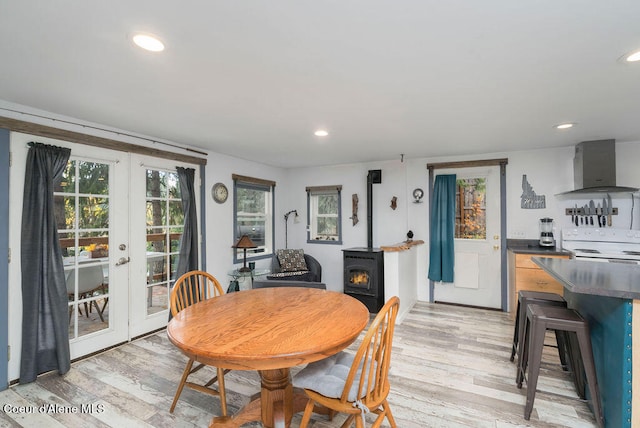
point(269, 330)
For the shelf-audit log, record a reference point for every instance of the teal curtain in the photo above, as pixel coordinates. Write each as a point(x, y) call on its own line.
point(443, 220)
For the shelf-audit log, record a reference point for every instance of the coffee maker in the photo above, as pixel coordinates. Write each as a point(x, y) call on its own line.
point(546, 232)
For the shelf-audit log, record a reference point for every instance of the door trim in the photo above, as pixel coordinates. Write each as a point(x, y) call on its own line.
point(502, 163)
point(4, 255)
point(32, 128)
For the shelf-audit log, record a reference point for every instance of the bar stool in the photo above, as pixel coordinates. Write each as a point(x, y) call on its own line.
point(525, 298)
point(539, 320)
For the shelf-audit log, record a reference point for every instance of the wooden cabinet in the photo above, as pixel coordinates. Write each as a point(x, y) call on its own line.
point(524, 274)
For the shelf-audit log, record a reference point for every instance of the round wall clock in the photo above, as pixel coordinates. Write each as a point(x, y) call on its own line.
point(219, 192)
point(417, 195)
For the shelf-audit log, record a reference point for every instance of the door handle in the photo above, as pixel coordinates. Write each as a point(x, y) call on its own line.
point(123, 261)
point(496, 247)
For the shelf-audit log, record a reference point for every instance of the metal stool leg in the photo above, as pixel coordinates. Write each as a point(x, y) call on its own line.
point(584, 340)
point(538, 331)
point(516, 333)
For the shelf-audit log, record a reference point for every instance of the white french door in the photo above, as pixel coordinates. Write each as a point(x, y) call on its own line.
point(90, 201)
point(157, 223)
point(120, 220)
point(477, 260)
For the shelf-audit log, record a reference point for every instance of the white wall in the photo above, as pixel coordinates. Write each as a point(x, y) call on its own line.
point(219, 217)
point(549, 171)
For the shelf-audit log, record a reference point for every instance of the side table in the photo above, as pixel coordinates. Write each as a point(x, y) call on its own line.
point(235, 275)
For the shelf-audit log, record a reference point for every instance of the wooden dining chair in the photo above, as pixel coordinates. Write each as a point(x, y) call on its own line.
point(190, 288)
point(354, 384)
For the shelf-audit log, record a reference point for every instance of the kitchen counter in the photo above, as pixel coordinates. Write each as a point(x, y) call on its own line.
point(598, 279)
point(531, 246)
point(607, 295)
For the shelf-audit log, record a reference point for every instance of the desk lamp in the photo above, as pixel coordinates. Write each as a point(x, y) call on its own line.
point(245, 242)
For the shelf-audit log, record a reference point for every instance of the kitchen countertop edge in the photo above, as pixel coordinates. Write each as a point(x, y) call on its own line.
point(531, 246)
point(598, 279)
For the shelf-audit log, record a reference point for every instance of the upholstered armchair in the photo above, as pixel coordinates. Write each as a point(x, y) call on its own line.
point(294, 265)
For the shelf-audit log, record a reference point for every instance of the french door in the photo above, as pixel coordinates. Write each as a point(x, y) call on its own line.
point(92, 217)
point(157, 223)
point(119, 219)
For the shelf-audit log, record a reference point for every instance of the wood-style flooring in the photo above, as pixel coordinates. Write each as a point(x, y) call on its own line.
point(450, 368)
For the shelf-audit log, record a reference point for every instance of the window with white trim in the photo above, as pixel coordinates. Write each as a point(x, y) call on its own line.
point(324, 208)
point(253, 207)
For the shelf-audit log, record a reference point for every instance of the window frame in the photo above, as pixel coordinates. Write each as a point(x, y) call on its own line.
point(312, 215)
point(268, 249)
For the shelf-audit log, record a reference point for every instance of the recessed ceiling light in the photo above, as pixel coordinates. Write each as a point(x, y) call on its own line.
point(321, 133)
point(148, 42)
point(633, 57)
point(565, 126)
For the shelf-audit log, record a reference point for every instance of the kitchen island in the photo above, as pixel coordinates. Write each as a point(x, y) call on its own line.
point(607, 295)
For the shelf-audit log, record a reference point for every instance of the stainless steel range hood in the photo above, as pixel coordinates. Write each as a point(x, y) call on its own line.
point(594, 168)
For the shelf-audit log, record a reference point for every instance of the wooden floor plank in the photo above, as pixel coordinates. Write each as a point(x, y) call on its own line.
point(450, 368)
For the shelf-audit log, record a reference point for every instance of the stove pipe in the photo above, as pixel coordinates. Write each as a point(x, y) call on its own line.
point(374, 176)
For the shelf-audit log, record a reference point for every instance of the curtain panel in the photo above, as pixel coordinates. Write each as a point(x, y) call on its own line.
point(188, 255)
point(45, 303)
point(441, 245)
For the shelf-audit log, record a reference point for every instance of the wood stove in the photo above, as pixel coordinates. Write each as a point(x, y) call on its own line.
point(364, 266)
point(364, 276)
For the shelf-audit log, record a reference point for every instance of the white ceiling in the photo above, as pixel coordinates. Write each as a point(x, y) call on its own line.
point(254, 79)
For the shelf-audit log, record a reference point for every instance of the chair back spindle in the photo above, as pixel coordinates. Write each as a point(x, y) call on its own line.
point(193, 287)
point(374, 357)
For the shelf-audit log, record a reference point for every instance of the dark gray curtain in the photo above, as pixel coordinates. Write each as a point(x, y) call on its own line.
point(188, 257)
point(45, 312)
point(443, 222)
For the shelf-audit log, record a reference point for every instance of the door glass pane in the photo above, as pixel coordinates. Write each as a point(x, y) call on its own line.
point(93, 212)
point(471, 208)
point(164, 221)
point(95, 178)
point(81, 202)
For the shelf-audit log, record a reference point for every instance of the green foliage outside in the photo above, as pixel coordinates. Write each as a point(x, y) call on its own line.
point(471, 208)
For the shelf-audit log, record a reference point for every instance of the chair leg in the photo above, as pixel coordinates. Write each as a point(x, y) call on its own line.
point(185, 374)
point(523, 353)
point(221, 391)
point(94, 303)
point(577, 368)
point(561, 340)
point(308, 410)
point(390, 418)
point(584, 341)
point(516, 330)
point(536, 344)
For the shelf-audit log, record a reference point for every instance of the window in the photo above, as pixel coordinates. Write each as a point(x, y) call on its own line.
point(253, 206)
point(471, 208)
point(325, 215)
point(165, 224)
point(82, 209)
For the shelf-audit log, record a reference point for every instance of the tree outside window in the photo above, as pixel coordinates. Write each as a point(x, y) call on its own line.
point(253, 215)
point(471, 208)
point(325, 214)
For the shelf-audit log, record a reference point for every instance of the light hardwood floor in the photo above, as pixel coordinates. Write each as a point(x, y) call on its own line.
point(450, 368)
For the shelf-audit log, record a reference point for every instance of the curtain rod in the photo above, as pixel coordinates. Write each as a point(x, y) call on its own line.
point(104, 130)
